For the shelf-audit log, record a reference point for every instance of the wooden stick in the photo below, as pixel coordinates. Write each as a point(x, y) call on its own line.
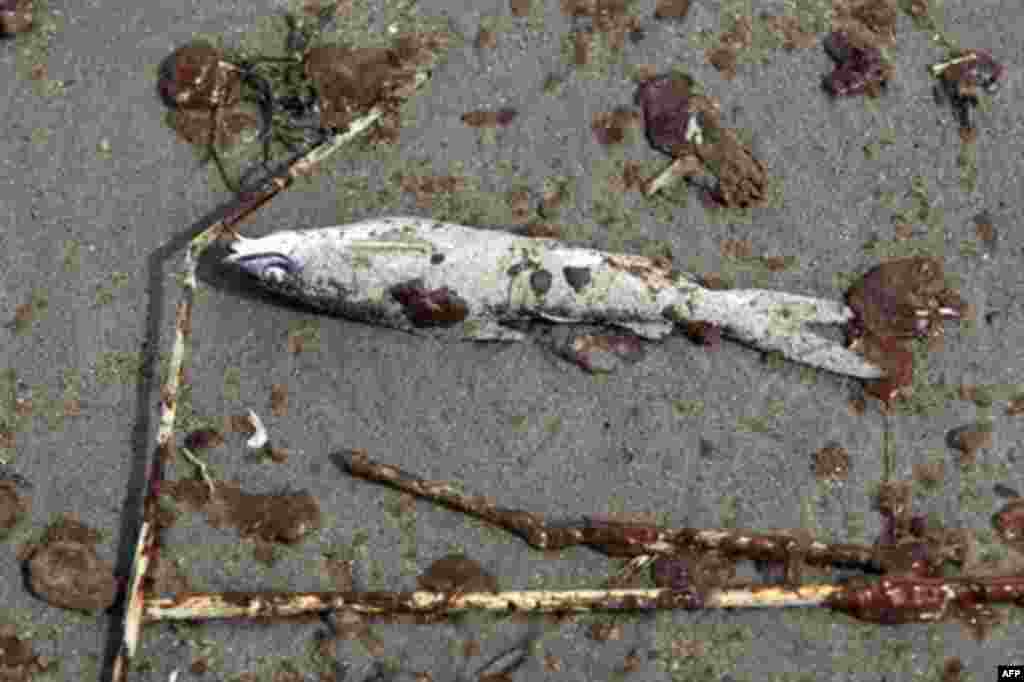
point(614, 539)
point(204, 606)
point(889, 600)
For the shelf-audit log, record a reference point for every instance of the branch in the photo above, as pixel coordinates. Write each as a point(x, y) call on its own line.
point(611, 538)
point(205, 606)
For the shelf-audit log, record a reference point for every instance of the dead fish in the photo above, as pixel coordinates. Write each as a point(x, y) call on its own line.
point(426, 276)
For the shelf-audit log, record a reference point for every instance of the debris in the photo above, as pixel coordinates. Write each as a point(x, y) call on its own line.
point(985, 230)
point(1005, 491)
point(601, 353)
point(349, 81)
point(893, 302)
point(704, 334)
point(930, 474)
point(686, 126)
point(665, 101)
point(259, 437)
point(279, 400)
point(490, 119)
point(964, 77)
point(832, 462)
point(608, 537)
point(279, 517)
point(457, 573)
point(196, 76)
point(897, 362)
point(859, 70)
point(16, 16)
point(970, 438)
point(907, 597)
point(700, 572)
point(224, 128)
point(866, 22)
point(672, 9)
point(607, 17)
point(793, 37)
point(13, 507)
point(415, 50)
point(212, 605)
point(724, 56)
point(519, 203)
point(520, 8)
point(1009, 523)
point(610, 127)
point(65, 570)
point(203, 469)
point(486, 39)
point(18, 661)
point(204, 439)
point(605, 632)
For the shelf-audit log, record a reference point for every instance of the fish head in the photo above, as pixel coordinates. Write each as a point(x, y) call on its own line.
point(276, 260)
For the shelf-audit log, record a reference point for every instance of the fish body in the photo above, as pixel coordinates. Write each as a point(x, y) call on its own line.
point(422, 275)
point(413, 273)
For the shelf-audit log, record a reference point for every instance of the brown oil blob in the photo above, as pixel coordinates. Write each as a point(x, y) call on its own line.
point(281, 517)
point(65, 570)
point(430, 307)
point(457, 573)
point(196, 76)
point(832, 462)
point(13, 507)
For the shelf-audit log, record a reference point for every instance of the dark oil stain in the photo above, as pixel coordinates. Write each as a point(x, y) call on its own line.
point(436, 259)
point(516, 268)
point(18, 660)
point(831, 462)
point(578, 278)
point(204, 439)
point(540, 282)
point(13, 507)
point(430, 307)
point(457, 572)
point(282, 517)
point(1009, 523)
point(65, 570)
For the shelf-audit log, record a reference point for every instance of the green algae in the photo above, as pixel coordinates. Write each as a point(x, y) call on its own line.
point(721, 646)
point(118, 367)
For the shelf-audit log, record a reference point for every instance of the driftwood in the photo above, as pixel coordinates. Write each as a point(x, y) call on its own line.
point(890, 599)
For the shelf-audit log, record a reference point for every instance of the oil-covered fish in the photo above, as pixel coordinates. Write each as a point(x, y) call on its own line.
point(419, 274)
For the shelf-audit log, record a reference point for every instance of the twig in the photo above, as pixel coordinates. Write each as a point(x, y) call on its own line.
point(207, 606)
point(889, 600)
point(942, 66)
point(673, 173)
point(203, 469)
point(247, 203)
point(615, 539)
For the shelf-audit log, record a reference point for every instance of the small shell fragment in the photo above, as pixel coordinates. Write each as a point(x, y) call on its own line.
point(259, 437)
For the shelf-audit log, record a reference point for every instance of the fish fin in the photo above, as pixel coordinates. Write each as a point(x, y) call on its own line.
point(648, 330)
point(485, 329)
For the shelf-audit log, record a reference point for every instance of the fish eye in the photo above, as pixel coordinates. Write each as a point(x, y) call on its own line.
point(276, 273)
